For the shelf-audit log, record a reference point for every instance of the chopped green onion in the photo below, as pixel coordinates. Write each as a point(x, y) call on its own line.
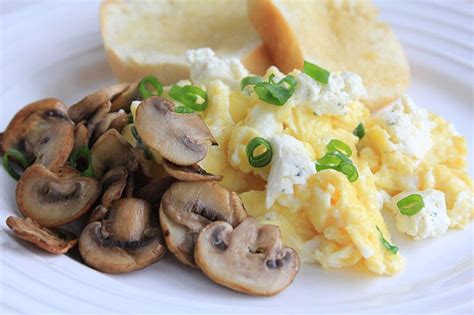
point(339, 146)
point(350, 171)
point(359, 131)
point(144, 90)
point(79, 156)
point(316, 72)
point(337, 158)
point(19, 157)
point(251, 80)
point(262, 159)
point(190, 96)
point(328, 161)
point(130, 118)
point(140, 143)
point(276, 93)
point(386, 244)
point(183, 110)
point(411, 205)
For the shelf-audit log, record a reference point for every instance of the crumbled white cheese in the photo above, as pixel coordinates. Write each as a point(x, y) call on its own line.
point(409, 127)
point(332, 98)
point(431, 221)
point(205, 67)
point(264, 121)
point(291, 165)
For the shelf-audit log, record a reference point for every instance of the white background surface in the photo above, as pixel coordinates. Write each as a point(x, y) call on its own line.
point(54, 49)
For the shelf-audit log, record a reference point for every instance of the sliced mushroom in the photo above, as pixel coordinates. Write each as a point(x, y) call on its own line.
point(113, 184)
point(154, 190)
point(128, 239)
point(190, 173)
point(89, 105)
point(98, 214)
point(97, 117)
point(42, 130)
point(187, 207)
point(109, 151)
point(250, 258)
point(81, 136)
point(116, 120)
point(57, 241)
point(54, 199)
point(179, 138)
point(124, 99)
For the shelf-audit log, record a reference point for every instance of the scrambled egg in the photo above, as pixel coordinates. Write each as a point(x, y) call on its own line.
point(326, 218)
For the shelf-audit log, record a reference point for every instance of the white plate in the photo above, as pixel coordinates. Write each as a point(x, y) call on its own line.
point(55, 50)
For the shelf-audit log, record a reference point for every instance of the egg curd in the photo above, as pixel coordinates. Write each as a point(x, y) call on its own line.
point(324, 216)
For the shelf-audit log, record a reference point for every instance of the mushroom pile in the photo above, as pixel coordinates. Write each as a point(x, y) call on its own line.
point(132, 202)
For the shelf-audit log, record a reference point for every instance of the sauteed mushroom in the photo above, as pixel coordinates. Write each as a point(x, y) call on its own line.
point(41, 130)
point(116, 120)
point(57, 241)
point(113, 184)
point(124, 99)
point(187, 207)
point(128, 239)
point(191, 173)
point(249, 258)
point(179, 138)
point(54, 199)
point(81, 136)
point(91, 104)
point(109, 151)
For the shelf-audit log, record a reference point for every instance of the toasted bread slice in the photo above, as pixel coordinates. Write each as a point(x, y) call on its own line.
point(337, 35)
point(151, 37)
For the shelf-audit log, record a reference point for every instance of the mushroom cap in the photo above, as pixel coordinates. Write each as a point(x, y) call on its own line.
point(115, 120)
point(187, 207)
point(54, 199)
point(250, 258)
point(113, 185)
point(109, 151)
point(85, 108)
point(57, 241)
point(81, 135)
point(41, 129)
point(179, 138)
point(190, 173)
point(124, 99)
point(128, 239)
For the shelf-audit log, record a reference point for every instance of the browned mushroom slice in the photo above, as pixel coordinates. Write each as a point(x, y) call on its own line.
point(41, 129)
point(97, 117)
point(98, 214)
point(115, 120)
point(81, 136)
point(55, 241)
point(179, 138)
point(190, 173)
point(53, 200)
point(128, 239)
point(109, 151)
point(89, 105)
point(113, 185)
point(250, 258)
point(154, 190)
point(124, 99)
point(187, 207)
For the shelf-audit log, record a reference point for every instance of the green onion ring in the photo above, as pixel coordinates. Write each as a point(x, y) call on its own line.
point(19, 157)
point(359, 131)
point(339, 146)
point(386, 244)
point(183, 110)
point(350, 171)
point(188, 96)
point(82, 152)
point(316, 72)
point(260, 160)
point(276, 93)
point(251, 80)
point(411, 205)
point(145, 92)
